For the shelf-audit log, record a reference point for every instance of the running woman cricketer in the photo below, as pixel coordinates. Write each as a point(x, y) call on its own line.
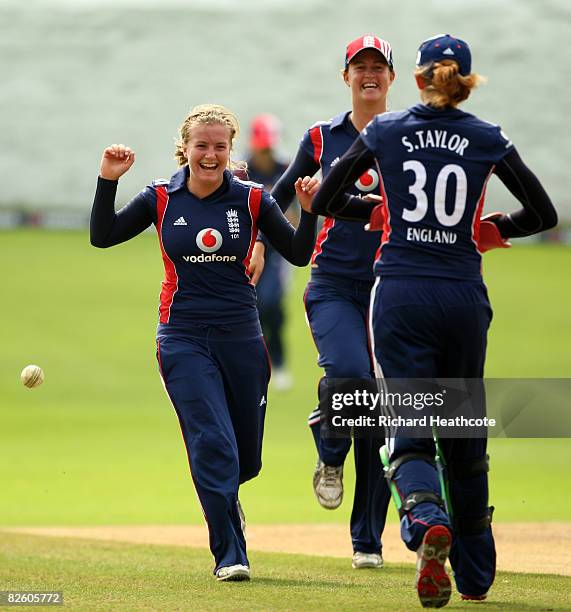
point(338, 294)
point(210, 349)
point(430, 309)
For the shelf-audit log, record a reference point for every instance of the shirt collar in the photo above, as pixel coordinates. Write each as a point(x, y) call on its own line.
point(424, 110)
point(344, 122)
point(341, 120)
point(178, 179)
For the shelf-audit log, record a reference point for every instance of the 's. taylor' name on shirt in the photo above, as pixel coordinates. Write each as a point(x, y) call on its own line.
point(435, 139)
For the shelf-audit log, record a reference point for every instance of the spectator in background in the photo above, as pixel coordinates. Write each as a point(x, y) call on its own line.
point(265, 168)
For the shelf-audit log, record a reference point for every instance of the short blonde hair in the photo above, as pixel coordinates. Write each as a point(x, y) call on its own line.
point(206, 114)
point(445, 86)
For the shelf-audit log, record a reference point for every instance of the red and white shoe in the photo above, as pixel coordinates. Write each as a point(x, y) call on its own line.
point(432, 581)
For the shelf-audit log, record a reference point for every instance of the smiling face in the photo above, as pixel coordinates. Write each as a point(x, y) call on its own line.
point(207, 151)
point(369, 77)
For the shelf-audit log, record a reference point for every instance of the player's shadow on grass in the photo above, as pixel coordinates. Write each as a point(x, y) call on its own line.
point(455, 603)
point(489, 604)
point(305, 583)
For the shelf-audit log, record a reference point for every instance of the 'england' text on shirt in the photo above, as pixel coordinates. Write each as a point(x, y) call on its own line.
point(415, 234)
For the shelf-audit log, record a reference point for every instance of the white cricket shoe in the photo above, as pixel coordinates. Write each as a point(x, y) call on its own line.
point(328, 485)
point(233, 573)
point(242, 518)
point(363, 560)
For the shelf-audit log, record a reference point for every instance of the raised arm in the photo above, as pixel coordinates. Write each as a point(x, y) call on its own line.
point(295, 245)
point(108, 227)
point(284, 190)
point(284, 193)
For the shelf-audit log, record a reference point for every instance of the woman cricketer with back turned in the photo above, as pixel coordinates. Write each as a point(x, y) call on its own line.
point(339, 291)
point(210, 349)
point(430, 309)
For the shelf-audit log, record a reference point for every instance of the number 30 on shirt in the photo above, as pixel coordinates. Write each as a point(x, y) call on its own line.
point(417, 190)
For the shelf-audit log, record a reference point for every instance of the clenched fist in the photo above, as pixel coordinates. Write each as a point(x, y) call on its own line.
point(116, 160)
point(305, 190)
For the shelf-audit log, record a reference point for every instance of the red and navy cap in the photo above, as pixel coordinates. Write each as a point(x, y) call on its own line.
point(443, 47)
point(368, 41)
point(264, 132)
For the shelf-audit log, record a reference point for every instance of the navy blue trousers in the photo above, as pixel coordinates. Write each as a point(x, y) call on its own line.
point(217, 380)
point(433, 328)
point(271, 290)
point(337, 311)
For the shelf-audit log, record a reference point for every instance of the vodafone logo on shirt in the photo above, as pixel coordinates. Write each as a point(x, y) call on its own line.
point(368, 181)
point(209, 240)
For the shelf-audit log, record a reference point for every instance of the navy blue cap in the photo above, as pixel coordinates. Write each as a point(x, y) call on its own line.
point(443, 47)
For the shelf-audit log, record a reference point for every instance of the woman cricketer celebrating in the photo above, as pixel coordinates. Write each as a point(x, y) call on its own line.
point(210, 349)
point(430, 310)
point(338, 294)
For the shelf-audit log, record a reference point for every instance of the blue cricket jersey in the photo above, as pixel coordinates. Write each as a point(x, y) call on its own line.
point(434, 166)
point(206, 243)
point(206, 246)
point(342, 247)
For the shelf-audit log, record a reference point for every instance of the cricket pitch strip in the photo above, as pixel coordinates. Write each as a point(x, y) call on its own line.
point(521, 547)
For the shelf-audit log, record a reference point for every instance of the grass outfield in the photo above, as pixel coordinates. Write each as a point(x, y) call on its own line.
point(95, 576)
point(98, 443)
